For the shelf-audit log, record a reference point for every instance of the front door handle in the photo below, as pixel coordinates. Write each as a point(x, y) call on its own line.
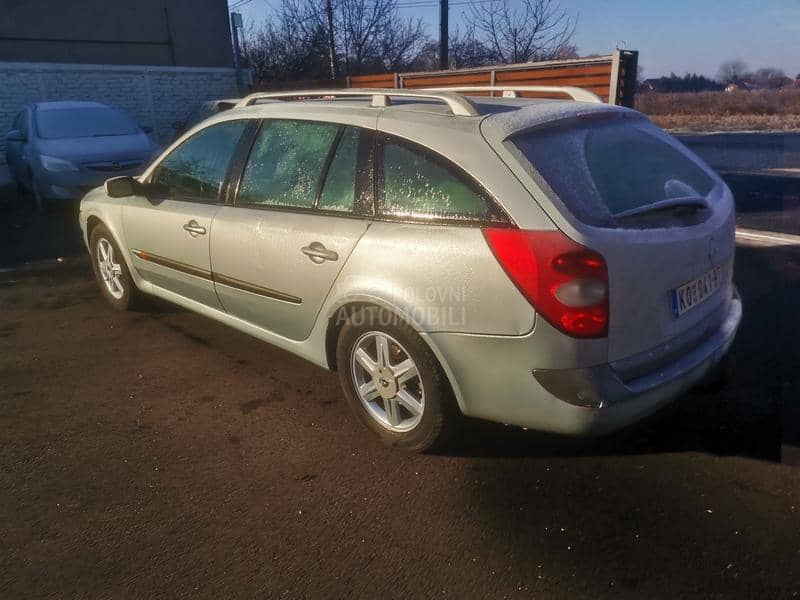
point(194, 228)
point(318, 253)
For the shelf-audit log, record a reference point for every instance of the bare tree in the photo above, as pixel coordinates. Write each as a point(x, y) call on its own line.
point(289, 46)
point(731, 71)
point(466, 50)
point(523, 31)
point(399, 46)
point(315, 39)
point(375, 37)
point(770, 78)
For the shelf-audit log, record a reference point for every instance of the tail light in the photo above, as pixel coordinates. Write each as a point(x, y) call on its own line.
point(565, 282)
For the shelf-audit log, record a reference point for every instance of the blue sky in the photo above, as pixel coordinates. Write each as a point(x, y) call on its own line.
point(671, 35)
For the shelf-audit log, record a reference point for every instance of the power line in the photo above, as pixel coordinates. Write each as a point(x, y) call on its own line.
point(430, 4)
point(239, 4)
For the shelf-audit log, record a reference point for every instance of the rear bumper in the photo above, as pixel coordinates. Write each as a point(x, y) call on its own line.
point(497, 385)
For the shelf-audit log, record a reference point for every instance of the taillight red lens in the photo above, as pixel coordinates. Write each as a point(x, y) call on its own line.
point(565, 282)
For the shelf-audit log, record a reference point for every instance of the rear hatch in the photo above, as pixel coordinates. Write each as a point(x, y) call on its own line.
point(663, 221)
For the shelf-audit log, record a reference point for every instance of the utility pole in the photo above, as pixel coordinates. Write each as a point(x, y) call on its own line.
point(331, 48)
point(236, 23)
point(443, 33)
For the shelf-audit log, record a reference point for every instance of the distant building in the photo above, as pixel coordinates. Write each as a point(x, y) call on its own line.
point(154, 58)
point(742, 85)
point(650, 85)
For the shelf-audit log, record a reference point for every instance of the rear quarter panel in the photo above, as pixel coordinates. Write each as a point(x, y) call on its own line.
point(439, 278)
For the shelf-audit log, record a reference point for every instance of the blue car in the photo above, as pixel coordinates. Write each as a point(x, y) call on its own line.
point(60, 150)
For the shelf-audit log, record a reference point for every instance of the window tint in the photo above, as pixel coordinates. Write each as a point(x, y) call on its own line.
point(417, 186)
point(196, 169)
point(608, 167)
point(286, 163)
point(339, 190)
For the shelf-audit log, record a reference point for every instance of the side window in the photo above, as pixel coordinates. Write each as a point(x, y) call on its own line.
point(21, 123)
point(339, 190)
point(196, 169)
point(286, 163)
point(417, 184)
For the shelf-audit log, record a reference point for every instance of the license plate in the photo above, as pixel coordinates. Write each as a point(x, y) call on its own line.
point(697, 291)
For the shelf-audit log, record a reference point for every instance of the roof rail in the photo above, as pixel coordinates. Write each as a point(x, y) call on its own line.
point(510, 91)
point(381, 97)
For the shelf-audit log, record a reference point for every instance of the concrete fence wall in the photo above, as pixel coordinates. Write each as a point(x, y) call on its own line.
point(155, 96)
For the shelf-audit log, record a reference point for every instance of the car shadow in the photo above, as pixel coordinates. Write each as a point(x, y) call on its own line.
point(27, 236)
point(746, 418)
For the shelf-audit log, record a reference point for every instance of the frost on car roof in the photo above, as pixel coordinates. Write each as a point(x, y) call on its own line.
point(500, 125)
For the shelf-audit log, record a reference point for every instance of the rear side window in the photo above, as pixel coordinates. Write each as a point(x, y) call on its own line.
point(603, 169)
point(196, 169)
point(420, 185)
point(339, 190)
point(286, 163)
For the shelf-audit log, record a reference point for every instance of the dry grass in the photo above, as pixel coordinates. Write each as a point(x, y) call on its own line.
point(720, 111)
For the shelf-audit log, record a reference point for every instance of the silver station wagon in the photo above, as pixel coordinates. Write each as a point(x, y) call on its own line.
point(562, 265)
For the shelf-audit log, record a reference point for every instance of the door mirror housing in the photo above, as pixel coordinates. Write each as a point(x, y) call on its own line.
point(126, 186)
point(123, 187)
point(15, 135)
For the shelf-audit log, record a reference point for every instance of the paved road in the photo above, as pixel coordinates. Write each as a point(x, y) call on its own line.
point(158, 454)
point(746, 151)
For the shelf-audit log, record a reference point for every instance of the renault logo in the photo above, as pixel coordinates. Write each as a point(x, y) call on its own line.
point(116, 166)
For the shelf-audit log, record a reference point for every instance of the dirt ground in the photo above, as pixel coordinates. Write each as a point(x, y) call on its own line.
point(159, 454)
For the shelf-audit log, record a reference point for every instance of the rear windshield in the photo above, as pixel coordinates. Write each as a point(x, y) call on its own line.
point(83, 122)
point(604, 168)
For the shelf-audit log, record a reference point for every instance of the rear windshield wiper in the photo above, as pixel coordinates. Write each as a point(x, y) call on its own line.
point(696, 202)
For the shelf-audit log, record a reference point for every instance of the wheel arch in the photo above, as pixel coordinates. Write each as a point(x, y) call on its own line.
point(110, 218)
point(91, 223)
point(338, 316)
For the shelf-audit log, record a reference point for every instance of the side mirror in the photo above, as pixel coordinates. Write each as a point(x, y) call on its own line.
point(126, 186)
point(15, 135)
point(122, 187)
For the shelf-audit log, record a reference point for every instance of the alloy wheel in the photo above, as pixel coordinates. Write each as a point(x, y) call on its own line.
point(110, 269)
point(387, 381)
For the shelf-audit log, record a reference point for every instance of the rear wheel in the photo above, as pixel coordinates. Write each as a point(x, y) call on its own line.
point(110, 270)
point(39, 202)
point(393, 382)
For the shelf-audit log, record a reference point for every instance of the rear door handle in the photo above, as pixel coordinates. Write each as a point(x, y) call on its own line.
point(318, 253)
point(194, 228)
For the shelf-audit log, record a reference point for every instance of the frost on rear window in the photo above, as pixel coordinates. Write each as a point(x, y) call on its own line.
point(611, 166)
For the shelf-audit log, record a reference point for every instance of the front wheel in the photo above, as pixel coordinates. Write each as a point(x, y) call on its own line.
point(110, 270)
point(393, 382)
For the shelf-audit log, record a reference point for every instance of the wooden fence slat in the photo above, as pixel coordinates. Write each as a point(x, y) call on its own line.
point(450, 80)
point(594, 75)
point(551, 72)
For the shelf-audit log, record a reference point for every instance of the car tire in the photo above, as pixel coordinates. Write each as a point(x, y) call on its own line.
point(110, 270)
point(37, 200)
point(390, 418)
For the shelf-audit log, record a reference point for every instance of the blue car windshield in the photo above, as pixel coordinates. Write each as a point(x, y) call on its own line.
point(64, 123)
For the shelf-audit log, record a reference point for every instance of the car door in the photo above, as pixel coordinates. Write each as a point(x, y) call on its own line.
point(168, 232)
point(15, 148)
point(299, 212)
